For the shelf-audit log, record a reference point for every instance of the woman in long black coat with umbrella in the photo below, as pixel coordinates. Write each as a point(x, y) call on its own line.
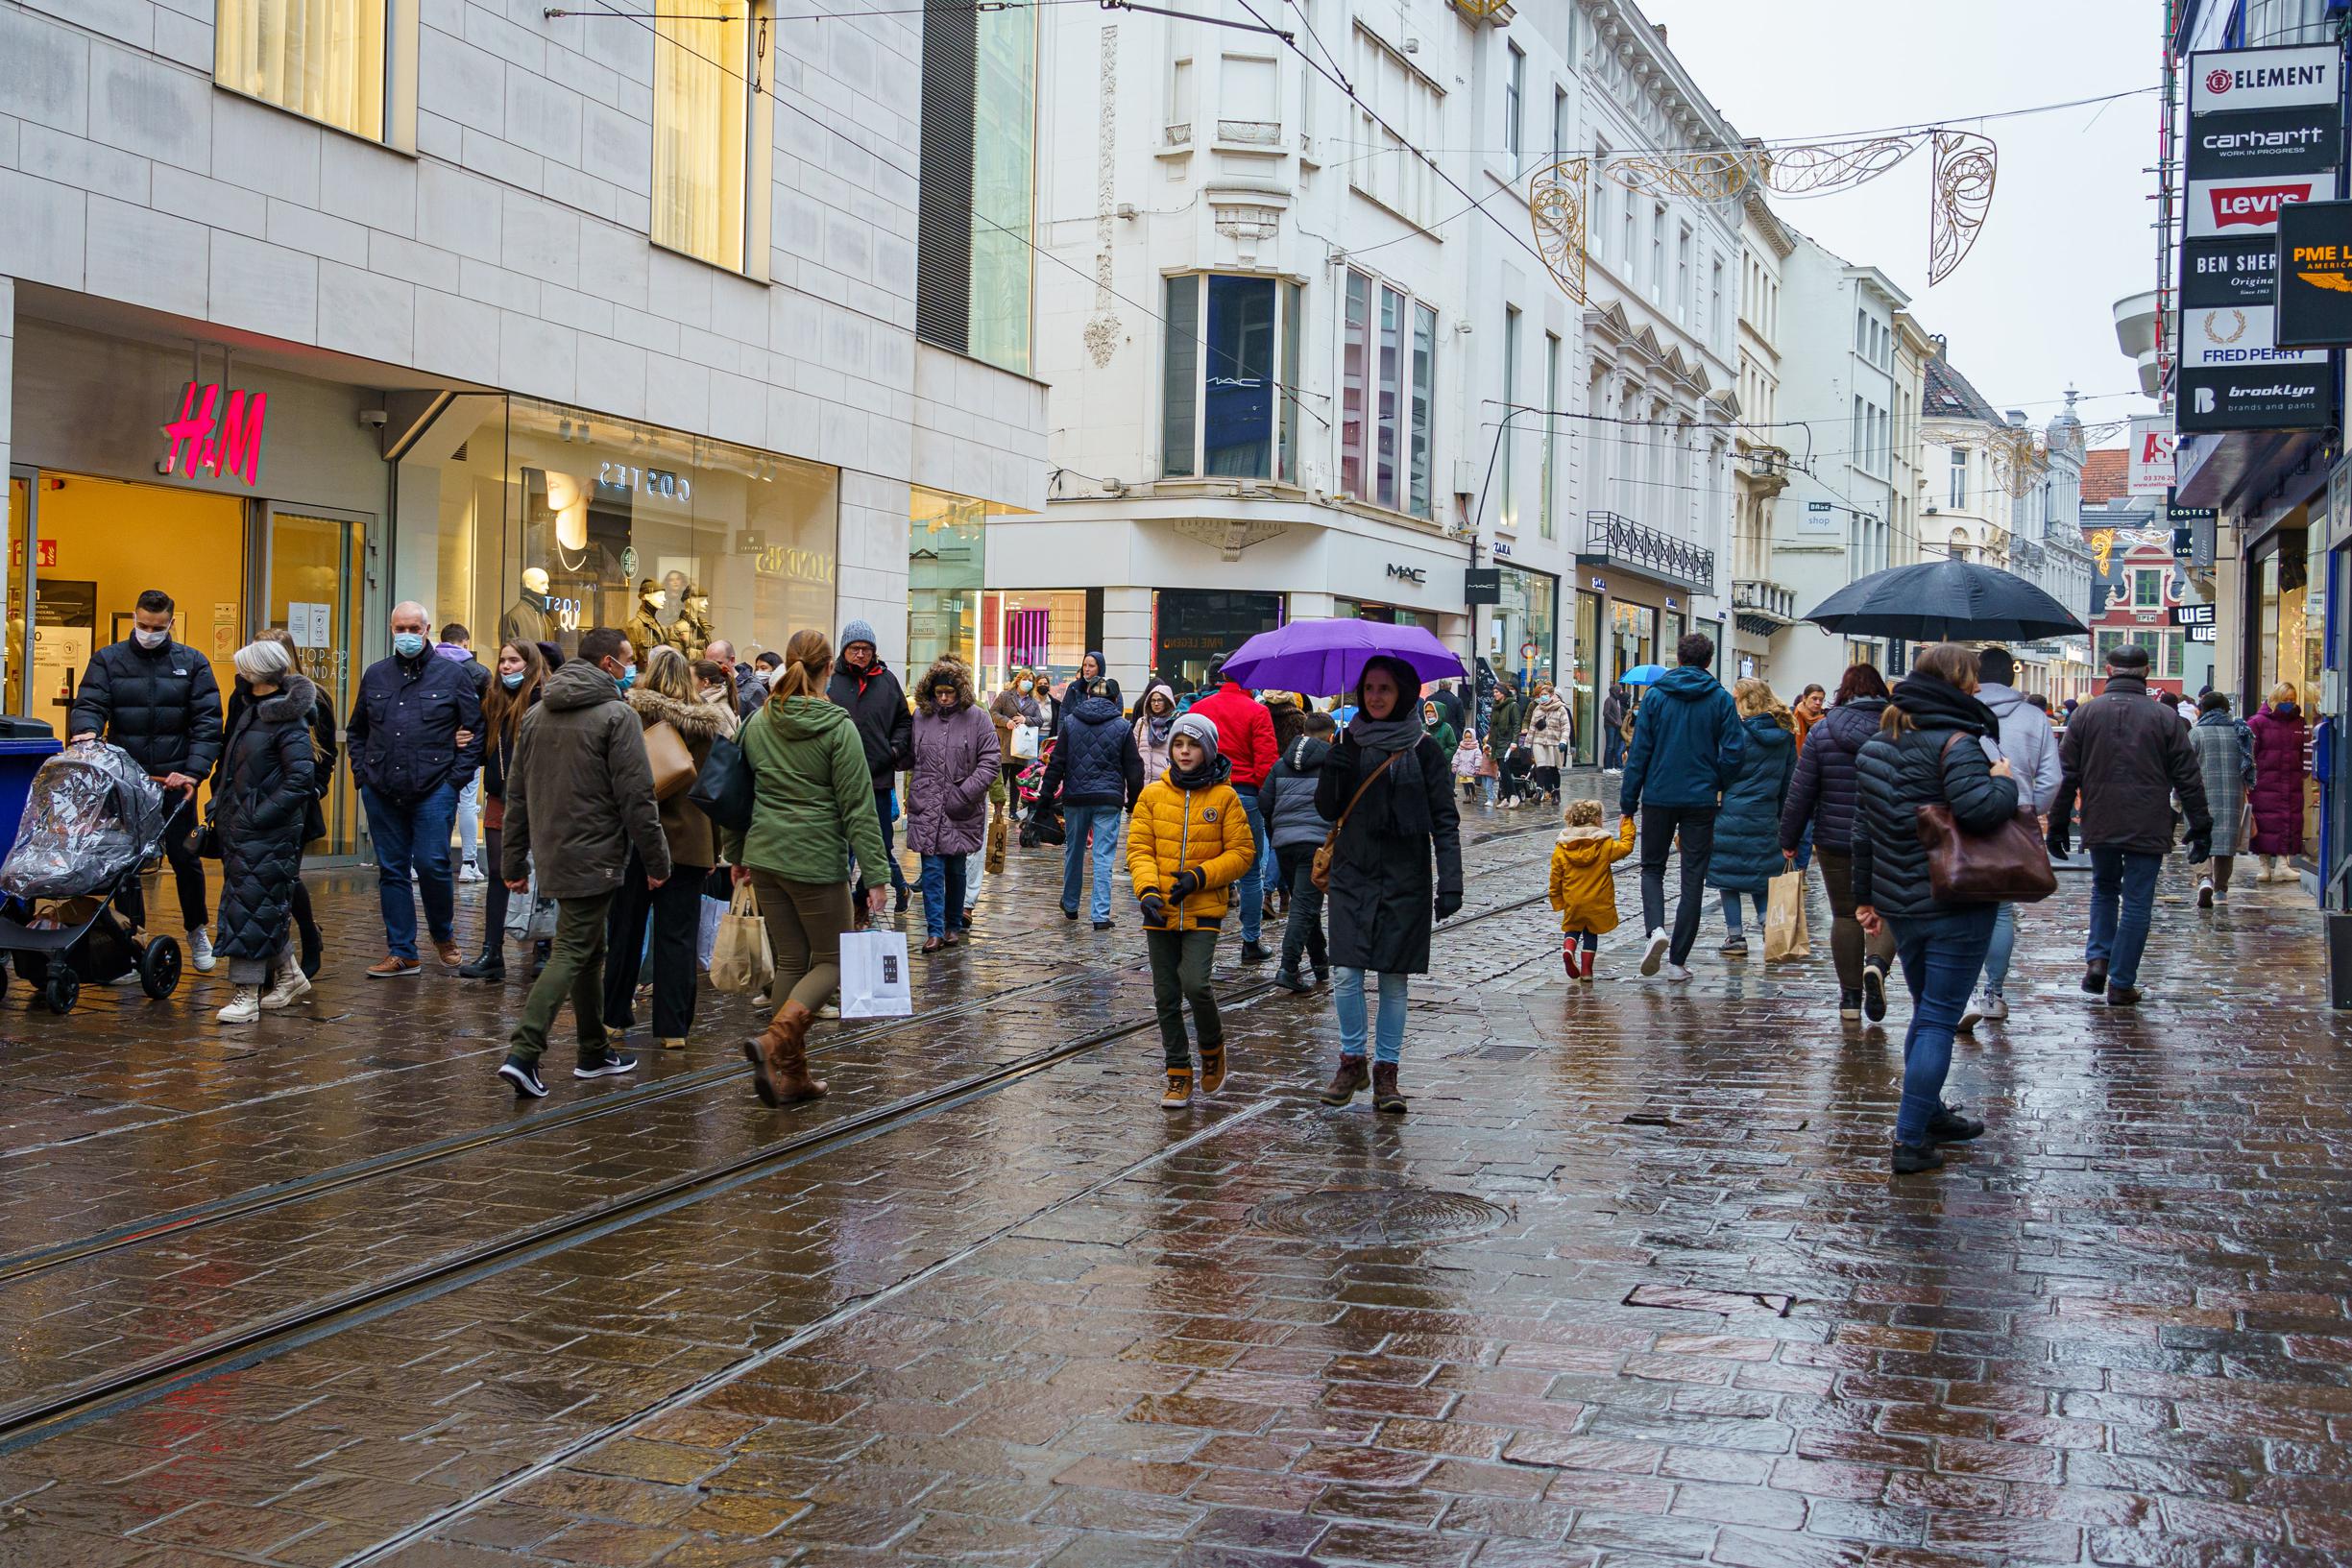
point(1384, 898)
point(261, 804)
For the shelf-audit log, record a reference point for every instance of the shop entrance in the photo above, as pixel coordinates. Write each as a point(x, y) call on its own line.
point(312, 571)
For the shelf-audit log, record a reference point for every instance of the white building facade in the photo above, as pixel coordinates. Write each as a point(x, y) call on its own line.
point(540, 321)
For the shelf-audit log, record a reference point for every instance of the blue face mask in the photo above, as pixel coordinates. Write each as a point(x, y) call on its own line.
point(408, 644)
point(513, 682)
point(626, 679)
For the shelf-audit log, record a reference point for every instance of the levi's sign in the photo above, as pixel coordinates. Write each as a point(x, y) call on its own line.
point(2220, 206)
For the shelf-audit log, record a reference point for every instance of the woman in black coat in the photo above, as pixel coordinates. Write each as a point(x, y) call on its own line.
point(262, 802)
point(1820, 798)
point(323, 753)
point(1928, 752)
point(1383, 899)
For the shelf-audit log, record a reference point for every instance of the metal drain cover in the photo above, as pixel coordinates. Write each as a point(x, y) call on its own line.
point(1360, 1216)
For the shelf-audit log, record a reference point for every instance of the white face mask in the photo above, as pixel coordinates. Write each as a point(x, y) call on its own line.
point(152, 639)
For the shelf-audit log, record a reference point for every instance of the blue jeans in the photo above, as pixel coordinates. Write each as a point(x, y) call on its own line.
point(412, 847)
point(470, 818)
point(885, 808)
point(1080, 822)
point(1347, 999)
point(942, 893)
point(1731, 910)
point(1940, 956)
point(1996, 957)
point(1805, 846)
point(2123, 892)
point(1250, 891)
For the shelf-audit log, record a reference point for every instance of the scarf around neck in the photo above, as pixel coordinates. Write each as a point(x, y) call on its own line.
point(1388, 736)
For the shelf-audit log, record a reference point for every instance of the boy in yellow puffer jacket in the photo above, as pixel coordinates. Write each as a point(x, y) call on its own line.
point(1582, 890)
point(1188, 842)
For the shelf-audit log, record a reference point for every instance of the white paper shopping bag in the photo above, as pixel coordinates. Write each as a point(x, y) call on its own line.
point(874, 980)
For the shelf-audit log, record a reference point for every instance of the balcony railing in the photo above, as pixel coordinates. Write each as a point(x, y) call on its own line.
point(1765, 598)
point(1612, 541)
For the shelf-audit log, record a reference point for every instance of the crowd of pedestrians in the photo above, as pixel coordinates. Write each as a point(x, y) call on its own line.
point(1343, 826)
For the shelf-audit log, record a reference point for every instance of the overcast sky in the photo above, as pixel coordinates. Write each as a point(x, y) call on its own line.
point(2031, 309)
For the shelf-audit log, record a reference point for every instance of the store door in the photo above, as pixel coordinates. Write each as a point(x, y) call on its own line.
point(314, 571)
point(18, 649)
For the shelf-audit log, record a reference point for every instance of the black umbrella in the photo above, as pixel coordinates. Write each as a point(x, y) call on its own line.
point(1939, 600)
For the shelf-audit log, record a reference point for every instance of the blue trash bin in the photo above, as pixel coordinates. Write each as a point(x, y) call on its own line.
point(21, 756)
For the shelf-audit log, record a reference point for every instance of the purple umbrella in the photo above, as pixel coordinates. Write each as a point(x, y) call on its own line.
point(1327, 657)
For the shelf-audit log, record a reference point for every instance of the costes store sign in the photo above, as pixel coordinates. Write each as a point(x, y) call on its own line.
point(218, 434)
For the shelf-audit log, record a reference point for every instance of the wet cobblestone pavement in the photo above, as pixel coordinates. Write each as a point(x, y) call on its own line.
point(1629, 1285)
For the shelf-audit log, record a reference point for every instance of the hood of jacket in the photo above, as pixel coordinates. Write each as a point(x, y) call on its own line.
point(2003, 700)
point(1143, 709)
point(456, 652)
point(579, 683)
point(1306, 755)
point(289, 704)
point(1766, 735)
point(695, 720)
point(2218, 718)
point(1687, 682)
point(1586, 843)
point(1092, 711)
point(804, 717)
point(1938, 705)
point(944, 672)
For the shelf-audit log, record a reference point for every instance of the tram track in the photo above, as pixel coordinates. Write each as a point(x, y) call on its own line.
point(45, 1416)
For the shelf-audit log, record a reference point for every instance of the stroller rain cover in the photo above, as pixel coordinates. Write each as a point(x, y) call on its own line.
point(92, 814)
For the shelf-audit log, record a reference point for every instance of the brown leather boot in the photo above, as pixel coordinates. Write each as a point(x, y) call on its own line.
point(1347, 1081)
point(780, 1061)
point(1385, 1095)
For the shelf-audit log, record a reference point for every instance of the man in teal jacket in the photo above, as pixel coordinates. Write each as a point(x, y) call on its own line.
point(1687, 742)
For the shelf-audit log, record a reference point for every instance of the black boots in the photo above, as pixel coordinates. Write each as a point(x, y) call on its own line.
point(490, 966)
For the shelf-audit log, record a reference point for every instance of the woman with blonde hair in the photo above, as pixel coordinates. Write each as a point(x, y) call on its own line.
point(2281, 764)
point(813, 809)
point(1748, 823)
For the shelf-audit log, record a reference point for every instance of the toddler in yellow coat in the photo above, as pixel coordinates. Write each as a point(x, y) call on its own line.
point(1187, 844)
point(1582, 890)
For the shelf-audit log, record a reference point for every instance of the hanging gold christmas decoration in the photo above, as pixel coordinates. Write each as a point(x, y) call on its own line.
point(1701, 177)
point(1818, 168)
point(1480, 9)
point(1557, 199)
point(1962, 193)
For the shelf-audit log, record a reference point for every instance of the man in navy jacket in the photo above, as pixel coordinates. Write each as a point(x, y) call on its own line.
point(1687, 743)
point(415, 738)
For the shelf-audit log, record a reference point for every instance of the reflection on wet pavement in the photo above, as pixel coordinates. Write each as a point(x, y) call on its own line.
point(1630, 1283)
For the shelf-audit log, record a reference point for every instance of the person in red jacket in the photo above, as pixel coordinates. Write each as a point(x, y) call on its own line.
point(1246, 738)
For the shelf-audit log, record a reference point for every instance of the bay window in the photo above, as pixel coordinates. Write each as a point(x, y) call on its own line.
point(1228, 409)
point(1385, 388)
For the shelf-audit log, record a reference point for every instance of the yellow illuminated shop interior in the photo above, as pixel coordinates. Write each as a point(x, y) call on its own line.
point(102, 543)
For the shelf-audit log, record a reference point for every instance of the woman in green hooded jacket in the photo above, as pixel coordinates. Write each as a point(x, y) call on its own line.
point(813, 809)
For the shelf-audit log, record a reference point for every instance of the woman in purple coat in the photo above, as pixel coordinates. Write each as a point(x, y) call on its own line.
point(2279, 772)
point(947, 796)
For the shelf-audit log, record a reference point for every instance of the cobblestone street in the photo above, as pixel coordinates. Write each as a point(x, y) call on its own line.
point(1630, 1283)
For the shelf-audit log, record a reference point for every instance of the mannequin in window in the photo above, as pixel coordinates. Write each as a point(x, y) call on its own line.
point(528, 620)
point(643, 627)
point(690, 628)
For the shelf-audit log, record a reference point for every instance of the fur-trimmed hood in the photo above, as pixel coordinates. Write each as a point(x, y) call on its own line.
point(289, 704)
point(944, 672)
point(695, 720)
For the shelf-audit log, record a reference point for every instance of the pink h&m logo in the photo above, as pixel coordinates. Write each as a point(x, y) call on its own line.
point(207, 438)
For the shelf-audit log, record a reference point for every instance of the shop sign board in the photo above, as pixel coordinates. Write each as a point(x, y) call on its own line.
point(2266, 135)
point(1482, 584)
point(1820, 517)
point(2314, 278)
point(2151, 471)
point(218, 433)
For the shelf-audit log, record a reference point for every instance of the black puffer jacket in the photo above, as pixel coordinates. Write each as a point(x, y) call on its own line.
point(1381, 898)
point(877, 704)
point(1823, 790)
point(323, 750)
point(162, 706)
point(261, 802)
point(2126, 758)
point(1094, 761)
point(1938, 760)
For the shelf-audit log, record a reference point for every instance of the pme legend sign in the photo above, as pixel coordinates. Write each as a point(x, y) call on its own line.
point(2313, 280)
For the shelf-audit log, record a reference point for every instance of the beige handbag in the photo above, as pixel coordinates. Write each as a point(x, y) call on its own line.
point(673, 764)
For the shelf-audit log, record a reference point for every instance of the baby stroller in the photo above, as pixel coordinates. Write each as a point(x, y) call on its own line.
point(1039, 824)
point(92, 819)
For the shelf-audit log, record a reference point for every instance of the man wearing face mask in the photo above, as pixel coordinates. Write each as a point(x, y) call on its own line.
point(159, 700)
point(414, 739)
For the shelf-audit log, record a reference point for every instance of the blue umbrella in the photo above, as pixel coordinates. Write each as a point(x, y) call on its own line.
point(1644, 675)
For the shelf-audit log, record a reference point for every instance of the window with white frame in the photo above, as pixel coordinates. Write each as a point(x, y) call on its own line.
point(1228, 378)
point(1551, 430)
point(1508, 475)
point(1515, 100)
point(1658, 255)
point(1957, 494)
point(1384, 167)
point(1388, 352)
point(1681, 275)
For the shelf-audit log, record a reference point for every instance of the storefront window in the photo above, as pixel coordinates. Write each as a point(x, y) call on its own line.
point(1633, 636)
point(946, 535)
point(1192, 626)
point(1583, 691)
point(1036, 630)
point(1388, 614)
point(1523, 625)
point(543, 522)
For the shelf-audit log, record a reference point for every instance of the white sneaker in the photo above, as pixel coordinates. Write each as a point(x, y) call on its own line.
point(468, 872)
point(243, 1007)
point(1994, 1008)
point(1655, 952)
point(1677, 973)
point(200, 949)
point(292, 986)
